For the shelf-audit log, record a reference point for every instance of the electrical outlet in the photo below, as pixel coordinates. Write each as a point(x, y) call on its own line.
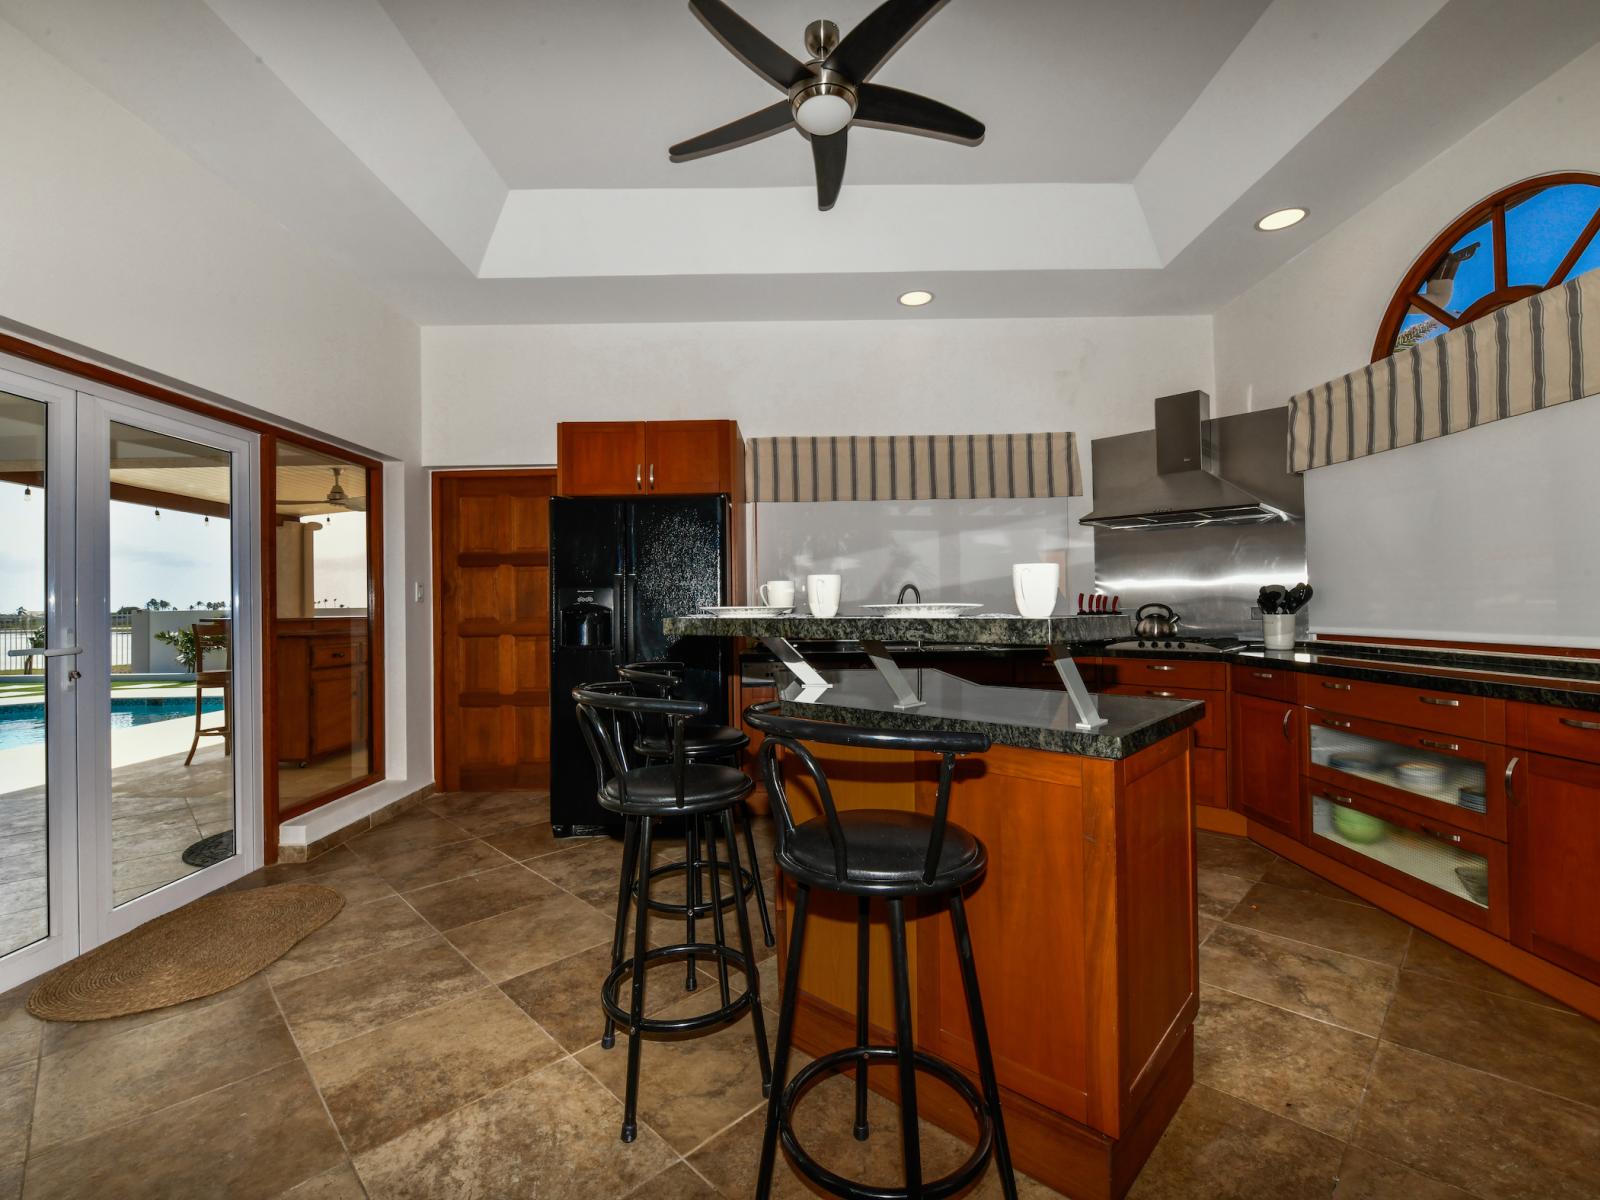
point(1255, 613)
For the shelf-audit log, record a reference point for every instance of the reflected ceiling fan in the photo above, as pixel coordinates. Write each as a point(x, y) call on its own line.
point(337, 498)
point(831, 91)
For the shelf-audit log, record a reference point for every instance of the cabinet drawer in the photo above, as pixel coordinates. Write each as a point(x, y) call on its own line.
point(1270, 683)
point(1566, 732)
point(1162, 673)
point(1438, 776)
point(1212, 729)
point(1418, 708)
point(1457, 871)
point(327, 653)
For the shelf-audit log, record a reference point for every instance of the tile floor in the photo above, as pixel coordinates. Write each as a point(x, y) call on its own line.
point(439, 1039)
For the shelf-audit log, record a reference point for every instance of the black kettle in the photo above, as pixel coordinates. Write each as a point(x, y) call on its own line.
point(1159, 624)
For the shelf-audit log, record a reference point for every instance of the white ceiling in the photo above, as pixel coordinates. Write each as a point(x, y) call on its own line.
point(487, 161)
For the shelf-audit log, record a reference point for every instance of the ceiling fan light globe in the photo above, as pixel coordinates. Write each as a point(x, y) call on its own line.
point(823, 113)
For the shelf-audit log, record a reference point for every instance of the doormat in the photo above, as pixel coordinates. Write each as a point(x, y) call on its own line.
point(207, 852)
point(198, 950)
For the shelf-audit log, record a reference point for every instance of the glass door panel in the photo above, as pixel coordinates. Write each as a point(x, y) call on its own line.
point(24, 790)
point(170, 706)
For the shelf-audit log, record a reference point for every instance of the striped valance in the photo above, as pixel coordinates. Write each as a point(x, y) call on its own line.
point(1536, 353)
point(975, 466)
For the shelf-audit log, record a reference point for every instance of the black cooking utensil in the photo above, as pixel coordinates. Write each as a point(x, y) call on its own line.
point(1299, 596)
point(1271, 599)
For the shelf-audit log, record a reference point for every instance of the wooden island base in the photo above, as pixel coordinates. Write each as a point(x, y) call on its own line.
point(1084, 932)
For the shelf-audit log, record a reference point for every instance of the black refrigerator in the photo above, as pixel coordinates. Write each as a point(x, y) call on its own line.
point(617, 568)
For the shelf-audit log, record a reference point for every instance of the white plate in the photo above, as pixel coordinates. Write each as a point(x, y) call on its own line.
point(748, 610)
point(925, 611)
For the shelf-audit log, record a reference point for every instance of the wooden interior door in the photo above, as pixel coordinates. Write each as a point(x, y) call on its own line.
point(491, 533)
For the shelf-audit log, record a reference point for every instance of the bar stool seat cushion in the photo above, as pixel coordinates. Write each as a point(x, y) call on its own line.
point(651, 791)
point(711, 741)
point(887, 849)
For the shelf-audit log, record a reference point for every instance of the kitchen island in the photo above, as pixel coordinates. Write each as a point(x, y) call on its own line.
point(1083, 925)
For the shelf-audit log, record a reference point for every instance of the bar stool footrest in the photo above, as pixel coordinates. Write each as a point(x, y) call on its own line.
point(747, 888)
point(735, 1008)
point(850, 1189)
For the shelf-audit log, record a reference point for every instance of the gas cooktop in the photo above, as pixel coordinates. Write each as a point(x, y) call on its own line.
point(1180, 645)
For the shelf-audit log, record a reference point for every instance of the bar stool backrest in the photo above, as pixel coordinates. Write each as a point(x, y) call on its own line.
point(788, 735)
point(659, 678)
point(606, 710)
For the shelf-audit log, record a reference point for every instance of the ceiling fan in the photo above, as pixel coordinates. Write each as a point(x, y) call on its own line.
point(831, 91)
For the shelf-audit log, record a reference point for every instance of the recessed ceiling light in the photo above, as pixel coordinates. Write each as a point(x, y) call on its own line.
point(1281, 219)
point(916, 299)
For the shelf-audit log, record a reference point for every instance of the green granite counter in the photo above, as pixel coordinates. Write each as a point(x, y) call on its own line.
point(982, 630)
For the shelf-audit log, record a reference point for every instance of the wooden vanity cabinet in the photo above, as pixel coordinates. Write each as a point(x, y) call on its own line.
point(323, 702)
point(642, 458)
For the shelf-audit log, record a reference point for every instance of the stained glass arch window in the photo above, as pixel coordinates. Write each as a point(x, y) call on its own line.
point(1533, 235)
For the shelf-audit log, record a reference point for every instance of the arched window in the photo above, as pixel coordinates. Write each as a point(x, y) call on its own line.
point(1530, 236)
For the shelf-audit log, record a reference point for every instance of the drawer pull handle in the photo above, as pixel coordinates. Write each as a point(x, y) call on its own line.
point(1337, 724)
point(1440, 835)
point(1288, 715)
point(1343, 801)
point(1336, 687)
point(1438, 745)
point(1572, 723)
point(1165, 695)
point(1160, 667)
point(1441, 701)
point(1511, 780)
point(1262, 675)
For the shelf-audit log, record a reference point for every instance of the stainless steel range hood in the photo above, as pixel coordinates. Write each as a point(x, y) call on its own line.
point(1185, 484)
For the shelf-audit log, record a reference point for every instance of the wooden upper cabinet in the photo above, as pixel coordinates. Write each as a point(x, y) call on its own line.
point(599, 458)
point(635, 458)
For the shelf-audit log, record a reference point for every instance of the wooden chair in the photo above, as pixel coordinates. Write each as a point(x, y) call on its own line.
point(213, 636)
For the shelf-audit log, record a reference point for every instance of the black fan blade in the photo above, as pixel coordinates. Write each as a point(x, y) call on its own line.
point(882, 31)
point(742, 132)
point(758, 52)
point(828, 155)
point(890, 108)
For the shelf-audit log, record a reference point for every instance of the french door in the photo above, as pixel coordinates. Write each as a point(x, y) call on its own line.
point(129, 725)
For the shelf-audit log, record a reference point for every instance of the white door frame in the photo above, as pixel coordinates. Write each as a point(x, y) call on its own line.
point(99, 919)
point(61, 714)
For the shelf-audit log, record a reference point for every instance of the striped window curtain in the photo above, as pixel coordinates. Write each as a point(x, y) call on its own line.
point(979, 466)
point(1536, 353)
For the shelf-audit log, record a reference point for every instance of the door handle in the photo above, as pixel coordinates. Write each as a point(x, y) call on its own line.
point(1160, 667)
point(638, 477)
point(1331, 721)
point(652, 477)
point(1511, 780)
point(1288, 715)
point(1263, 675)
point(1569, 722)
point(1440, 834)
point(1440, 701)
point(1164, 695)
point(53, 652)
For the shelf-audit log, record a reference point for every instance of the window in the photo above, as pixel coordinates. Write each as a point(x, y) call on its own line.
point(326, 657)
point(1534, 235)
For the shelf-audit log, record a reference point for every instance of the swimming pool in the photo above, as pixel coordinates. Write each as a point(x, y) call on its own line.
point(23, 724)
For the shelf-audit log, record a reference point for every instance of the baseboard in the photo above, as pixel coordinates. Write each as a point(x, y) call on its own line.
point(1220, 820)
point(354, 814)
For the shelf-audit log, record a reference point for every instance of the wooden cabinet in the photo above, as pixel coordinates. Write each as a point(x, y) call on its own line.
point(1416, 708)
point(323, 702)
point(1555, 853)
point(665, 458)
point(1565, 732)
point(1266, 761)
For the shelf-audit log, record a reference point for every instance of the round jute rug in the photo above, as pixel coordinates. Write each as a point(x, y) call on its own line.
point(201, 948)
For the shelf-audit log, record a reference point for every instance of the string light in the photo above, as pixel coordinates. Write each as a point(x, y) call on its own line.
point(27, 493)
point(158, 514)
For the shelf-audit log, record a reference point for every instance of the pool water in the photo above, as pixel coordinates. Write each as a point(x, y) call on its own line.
point(23, 724)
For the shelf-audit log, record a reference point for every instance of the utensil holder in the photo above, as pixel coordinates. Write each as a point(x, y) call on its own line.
point(1278, 630)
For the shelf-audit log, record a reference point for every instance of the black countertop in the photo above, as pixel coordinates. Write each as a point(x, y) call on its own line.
point(1027, 718)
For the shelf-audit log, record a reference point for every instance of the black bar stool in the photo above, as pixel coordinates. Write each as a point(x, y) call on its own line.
point(892, 855)
point(704, 793)
point(702, 741)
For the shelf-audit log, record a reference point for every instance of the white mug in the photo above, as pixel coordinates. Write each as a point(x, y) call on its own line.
point(1035, 586)
point(777, 593)
point(822, 594)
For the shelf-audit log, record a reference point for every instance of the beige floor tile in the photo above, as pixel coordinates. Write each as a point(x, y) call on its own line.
point(1429, 956)
point(1221, 1148)
point(338, 869)
point(1217, 892)
point(477, 897)
point(1204, 927)
point(352, 998)
point(485, 813)
point(414, 830)
point(677, 1182)
point(341, 1183)
point(1542, 1047)
point(549, 1134)
point(550, 928)
point(395, 1078)
point(11, 1181)
point(693, 1087)
point(590, 872)
point(564, 996)
point(92, 1086)
point(1364, 1176)
point(20, 1032)
point(535, 841)
point(1231, 855)
point(1323, 921)
point(411, 869)
point(16, 1110)
point(357, 930)
point(255, 1138)
point(66, 1035)
point(1283, 873)
point(1497, 1139)
point(1283, 1063)
point(1311, 980)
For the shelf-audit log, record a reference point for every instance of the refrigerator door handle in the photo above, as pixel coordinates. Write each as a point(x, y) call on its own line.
point(629, 601)
point(619, 615)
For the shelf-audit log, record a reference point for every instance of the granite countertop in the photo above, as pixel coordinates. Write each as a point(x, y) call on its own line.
point(984, 630)
point(1027, 718)
point(1534, 679)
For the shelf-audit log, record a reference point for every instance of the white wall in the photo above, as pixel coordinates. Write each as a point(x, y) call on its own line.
point(114, 241)
point(1415, 541)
